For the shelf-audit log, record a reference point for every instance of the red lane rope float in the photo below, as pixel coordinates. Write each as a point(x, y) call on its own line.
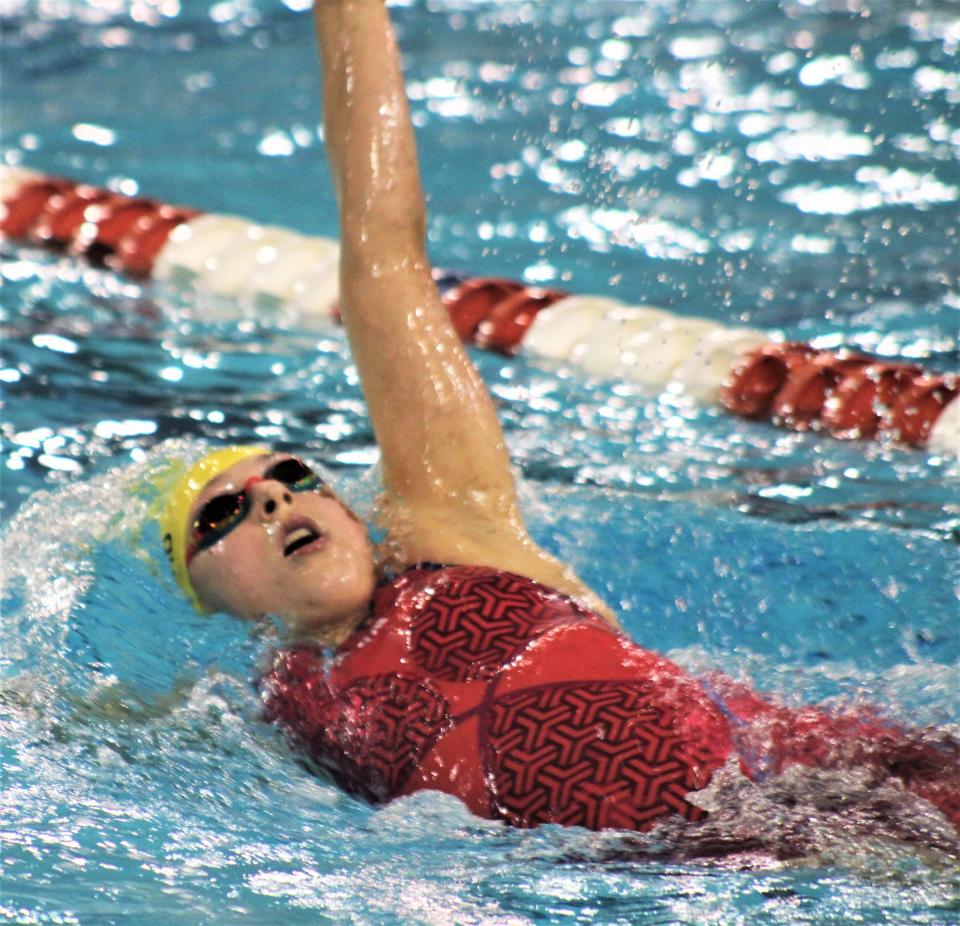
point(98, 239)
point(63, 214)
point(864, 399)
point(27, 203)
point(920, 406)
point(138, 248)
point(472, 302)
point(799, 402)
point(123, 233)
point(494, 314)
point(843, 393)
point(754, 383)
point(512, 316)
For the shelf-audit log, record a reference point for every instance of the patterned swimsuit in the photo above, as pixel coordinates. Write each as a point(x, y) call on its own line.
point(507, 694)
point(532, 709)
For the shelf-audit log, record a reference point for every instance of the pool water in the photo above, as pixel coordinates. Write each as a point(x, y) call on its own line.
point(790, 165)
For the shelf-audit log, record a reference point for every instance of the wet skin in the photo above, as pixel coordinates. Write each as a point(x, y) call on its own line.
point(320, 588)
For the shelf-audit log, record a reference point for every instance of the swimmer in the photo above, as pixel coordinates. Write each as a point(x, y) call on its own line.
point(460, 656)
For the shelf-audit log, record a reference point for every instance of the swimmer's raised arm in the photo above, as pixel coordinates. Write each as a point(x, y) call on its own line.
point(450, 495)
point(435, 424)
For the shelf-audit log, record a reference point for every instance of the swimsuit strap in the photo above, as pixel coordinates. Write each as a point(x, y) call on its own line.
point(390, 576)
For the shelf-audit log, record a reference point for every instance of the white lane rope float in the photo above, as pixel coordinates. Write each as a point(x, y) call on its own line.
point(750, 373)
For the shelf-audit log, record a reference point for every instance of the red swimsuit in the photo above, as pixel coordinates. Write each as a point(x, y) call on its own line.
point(527, 707)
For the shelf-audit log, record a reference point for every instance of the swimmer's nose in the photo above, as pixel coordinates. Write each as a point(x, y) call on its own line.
point(267, 495)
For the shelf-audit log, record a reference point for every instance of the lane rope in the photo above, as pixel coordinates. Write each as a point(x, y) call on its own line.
point(748, 372)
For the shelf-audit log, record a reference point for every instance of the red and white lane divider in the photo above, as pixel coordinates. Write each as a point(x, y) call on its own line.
point(847, 394)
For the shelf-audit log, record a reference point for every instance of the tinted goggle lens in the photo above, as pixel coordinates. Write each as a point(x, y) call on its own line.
point(295, 474)
point(219, 512)
point(223, 513)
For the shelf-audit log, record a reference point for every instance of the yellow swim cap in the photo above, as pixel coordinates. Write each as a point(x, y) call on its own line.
point(175, 512)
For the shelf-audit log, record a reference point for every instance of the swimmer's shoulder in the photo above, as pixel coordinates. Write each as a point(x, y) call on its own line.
point(495, 540)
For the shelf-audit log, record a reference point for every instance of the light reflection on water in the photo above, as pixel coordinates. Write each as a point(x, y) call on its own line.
point(788, 164)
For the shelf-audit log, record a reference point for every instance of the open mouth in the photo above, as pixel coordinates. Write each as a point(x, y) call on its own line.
point(300, 537)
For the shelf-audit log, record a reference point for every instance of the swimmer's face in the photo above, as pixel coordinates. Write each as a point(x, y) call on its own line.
point(296, 551)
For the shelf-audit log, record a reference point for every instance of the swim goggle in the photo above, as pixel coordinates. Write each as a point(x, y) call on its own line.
point(224, 512)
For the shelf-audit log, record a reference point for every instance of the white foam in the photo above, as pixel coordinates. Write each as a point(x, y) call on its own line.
point(47, 548)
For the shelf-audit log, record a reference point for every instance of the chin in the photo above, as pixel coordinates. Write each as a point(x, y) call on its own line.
point(327, 630)
point(330, 610)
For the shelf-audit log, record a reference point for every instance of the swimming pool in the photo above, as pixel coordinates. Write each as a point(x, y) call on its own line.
point(787, 165)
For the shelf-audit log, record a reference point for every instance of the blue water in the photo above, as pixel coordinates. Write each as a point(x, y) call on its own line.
point(791, 165)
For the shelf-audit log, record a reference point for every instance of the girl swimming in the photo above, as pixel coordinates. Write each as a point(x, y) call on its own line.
point(459, 655)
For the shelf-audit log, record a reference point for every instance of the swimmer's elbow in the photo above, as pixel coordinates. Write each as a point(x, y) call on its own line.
point(369, 242)
point(381, 214)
